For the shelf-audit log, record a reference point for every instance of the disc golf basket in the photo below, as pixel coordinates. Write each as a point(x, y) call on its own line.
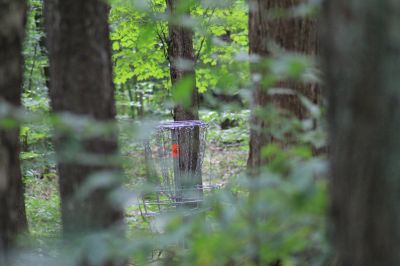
point(174, 156)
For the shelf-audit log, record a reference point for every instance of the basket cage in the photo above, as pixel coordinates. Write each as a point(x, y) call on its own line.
point(174, 156)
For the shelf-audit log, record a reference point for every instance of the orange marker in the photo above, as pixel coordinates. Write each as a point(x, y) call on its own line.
point(175, 150)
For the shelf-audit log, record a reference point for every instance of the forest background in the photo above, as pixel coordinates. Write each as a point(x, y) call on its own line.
point(97, 79)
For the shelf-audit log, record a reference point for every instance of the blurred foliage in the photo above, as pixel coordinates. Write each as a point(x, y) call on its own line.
point(276, 216)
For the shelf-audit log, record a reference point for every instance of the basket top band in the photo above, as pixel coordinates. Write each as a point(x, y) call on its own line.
point(182, 124)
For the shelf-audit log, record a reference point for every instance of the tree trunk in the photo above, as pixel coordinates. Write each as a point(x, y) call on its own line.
point(81, 84)
point(181, 58)
point(141, 102)
point(182, 67)
point(361, 55)
point(12, 207)
point(293, 35)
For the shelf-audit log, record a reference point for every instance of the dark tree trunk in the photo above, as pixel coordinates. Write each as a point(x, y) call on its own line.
point(12, 207)
point(361, 55)
point(182, 67)
point(291, 34)
point(81, 83)
point(141, 102)
point(181, 58)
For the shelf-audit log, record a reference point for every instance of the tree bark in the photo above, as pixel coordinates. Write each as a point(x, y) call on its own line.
point(12, 206)
point(361, 57)
point(293, 35)
point(81, 84)
point(181, 58)
point(182, 66)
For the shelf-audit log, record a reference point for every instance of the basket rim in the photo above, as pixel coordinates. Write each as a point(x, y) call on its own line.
point(182, 124)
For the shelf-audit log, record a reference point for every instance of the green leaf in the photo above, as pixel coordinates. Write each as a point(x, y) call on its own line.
point(115, 46)
point(182, 91)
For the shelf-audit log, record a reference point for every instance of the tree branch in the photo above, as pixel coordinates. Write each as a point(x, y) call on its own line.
point(198, 53)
